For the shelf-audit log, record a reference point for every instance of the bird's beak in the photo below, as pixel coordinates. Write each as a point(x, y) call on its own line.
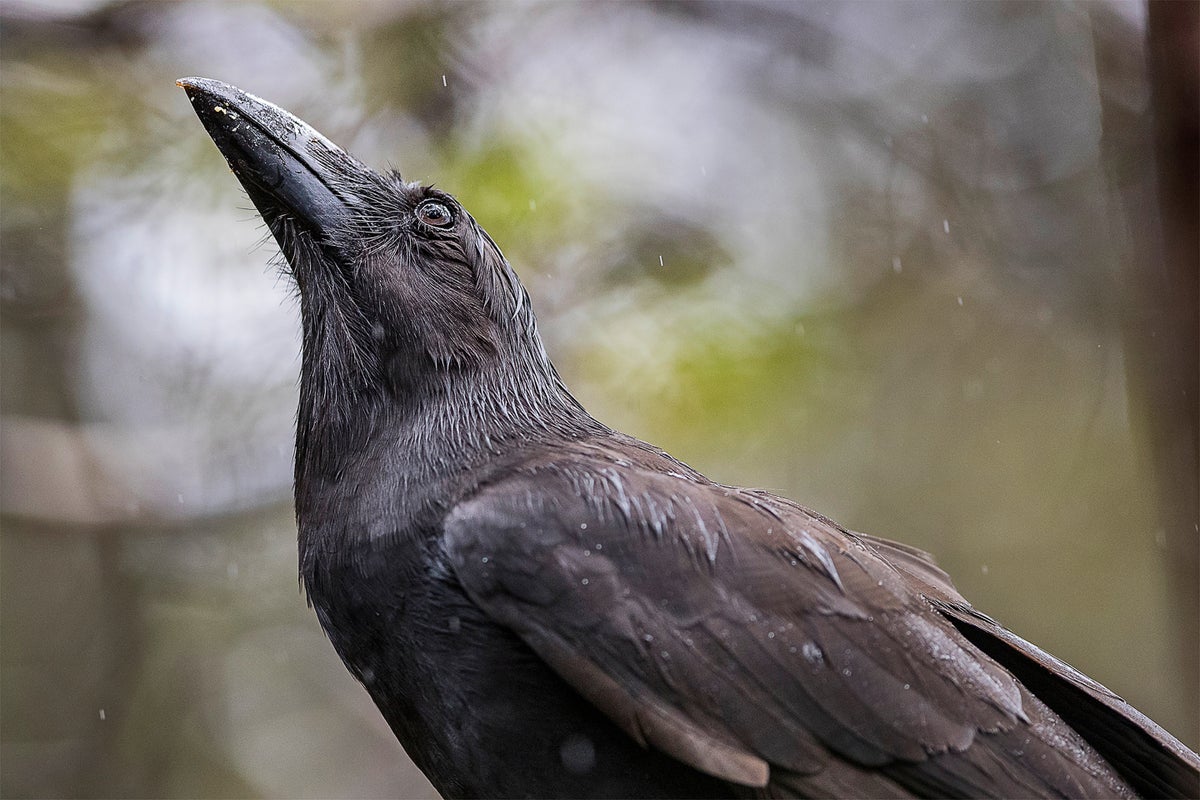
point(284, 163)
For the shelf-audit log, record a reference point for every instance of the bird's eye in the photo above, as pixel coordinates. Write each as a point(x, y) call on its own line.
point(434, 213)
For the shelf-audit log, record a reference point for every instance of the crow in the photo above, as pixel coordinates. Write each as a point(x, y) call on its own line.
point(541, 606)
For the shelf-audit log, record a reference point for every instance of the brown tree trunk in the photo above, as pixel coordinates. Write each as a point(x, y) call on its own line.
point(1163, 330)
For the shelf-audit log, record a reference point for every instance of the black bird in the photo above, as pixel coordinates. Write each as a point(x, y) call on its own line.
point(545, 607)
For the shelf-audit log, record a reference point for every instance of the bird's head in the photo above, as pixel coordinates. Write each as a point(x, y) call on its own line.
point(397, 281)
point(407, 305)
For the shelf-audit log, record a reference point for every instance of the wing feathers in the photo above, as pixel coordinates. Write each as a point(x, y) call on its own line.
point(792, 656)
point(1154, 762)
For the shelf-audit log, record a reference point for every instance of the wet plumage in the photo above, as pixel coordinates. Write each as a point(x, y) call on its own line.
point(541, 606)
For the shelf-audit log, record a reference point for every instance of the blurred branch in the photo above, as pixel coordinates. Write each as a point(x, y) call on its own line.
point(98, 474)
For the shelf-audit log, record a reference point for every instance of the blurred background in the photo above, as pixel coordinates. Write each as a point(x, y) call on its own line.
point(929, 268)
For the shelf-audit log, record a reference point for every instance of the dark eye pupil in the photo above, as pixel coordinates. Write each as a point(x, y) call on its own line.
point(434, 214)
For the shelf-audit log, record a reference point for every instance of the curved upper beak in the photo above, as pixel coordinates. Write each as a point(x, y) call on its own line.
point(283, 162)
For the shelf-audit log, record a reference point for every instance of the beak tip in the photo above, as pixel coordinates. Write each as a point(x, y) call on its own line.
point(196, 86)
point(193, 87)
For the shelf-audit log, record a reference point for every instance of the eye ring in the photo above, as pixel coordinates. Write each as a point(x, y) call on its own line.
point(435, 214)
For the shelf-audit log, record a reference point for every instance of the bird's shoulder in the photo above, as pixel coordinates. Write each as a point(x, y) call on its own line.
point(656, 515)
